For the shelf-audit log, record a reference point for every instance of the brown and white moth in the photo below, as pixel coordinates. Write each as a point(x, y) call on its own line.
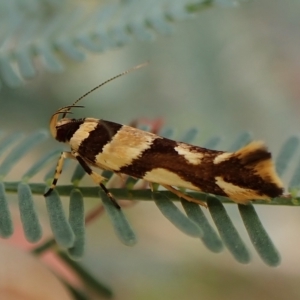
point(245, 175)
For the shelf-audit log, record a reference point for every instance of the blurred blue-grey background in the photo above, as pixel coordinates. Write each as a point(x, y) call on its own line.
point(226, 70)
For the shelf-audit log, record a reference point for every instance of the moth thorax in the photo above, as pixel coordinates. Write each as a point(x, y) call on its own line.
point(65, 129)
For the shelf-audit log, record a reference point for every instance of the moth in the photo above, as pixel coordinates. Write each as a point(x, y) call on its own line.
point(245, 175)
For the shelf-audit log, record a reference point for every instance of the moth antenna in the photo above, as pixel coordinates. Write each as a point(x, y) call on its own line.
point(62, 110)
point(105, 82)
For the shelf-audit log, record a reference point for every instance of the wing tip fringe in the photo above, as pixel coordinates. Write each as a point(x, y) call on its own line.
point(256, 156)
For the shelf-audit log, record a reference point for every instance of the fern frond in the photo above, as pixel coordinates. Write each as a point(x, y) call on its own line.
point(228, 233)
point(69, 234)
point(77, 222)
point(41, 30)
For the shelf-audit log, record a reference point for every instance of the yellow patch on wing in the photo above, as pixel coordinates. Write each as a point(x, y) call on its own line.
point(126, 145)
point(186, 151)
point(222, 157)
point(83, 132)
point(266, 170)
point(250, 148)
point(239, 194)
point(166, 177)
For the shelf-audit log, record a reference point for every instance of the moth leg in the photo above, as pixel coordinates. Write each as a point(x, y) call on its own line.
point(58, 170)
point(184, 196)
point(95, 177)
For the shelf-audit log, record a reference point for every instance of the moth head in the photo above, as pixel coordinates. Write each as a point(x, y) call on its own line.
point(57, 125)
